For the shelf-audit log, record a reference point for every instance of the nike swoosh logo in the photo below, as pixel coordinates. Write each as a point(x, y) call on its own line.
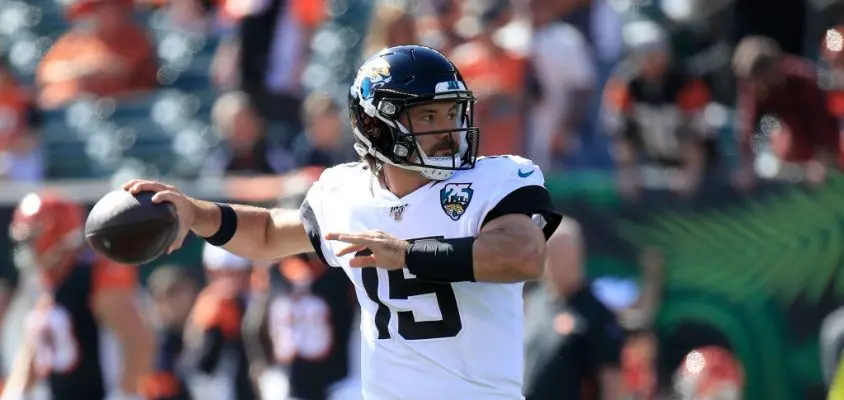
point(525, 174)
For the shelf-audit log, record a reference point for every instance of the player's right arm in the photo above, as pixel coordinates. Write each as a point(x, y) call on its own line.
point(261, 234)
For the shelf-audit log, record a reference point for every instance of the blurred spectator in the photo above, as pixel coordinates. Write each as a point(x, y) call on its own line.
point(173, 292)
point(576, 13)
point(638, 365)
point(564, 80)
point(780, 102)
point(497, 76)
point(214, 345)
point(105, 54)
point(438, 26)
point(606, 24)
point(573, 341)
point(709, 372)
point(257, 341)
point(676, 343)
point(607, 43)
point(268, 50)
point(702, 34)
point(655, 113)
point(21, 153)
point(304, 328)
point(85, 337)
point(639, 359)
point(245, 149)
point(650, 358)
point(392, 25)
point(323, 143)
point(831, 79)
point(309, 318)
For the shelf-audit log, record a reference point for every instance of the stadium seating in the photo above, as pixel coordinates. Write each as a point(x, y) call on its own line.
point(166, 132)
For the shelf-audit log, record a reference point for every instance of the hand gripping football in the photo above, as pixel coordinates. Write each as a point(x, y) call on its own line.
point(131, 229)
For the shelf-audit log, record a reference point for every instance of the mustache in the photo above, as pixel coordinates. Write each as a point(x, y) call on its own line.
point(445, 145)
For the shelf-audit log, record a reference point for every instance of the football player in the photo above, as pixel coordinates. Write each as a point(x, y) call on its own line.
point(63, 340)
point(436, 240)
point(305, 327)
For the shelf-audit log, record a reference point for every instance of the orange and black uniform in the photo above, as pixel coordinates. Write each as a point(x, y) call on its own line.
point(311, 322)
point(218, 315)
point(659, 117)
point(68, 350)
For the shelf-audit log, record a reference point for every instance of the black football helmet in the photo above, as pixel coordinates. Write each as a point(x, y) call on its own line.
point(391, 82)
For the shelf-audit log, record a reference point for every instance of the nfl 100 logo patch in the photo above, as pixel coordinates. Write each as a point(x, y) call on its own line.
point(455, 199)
point(397, 211)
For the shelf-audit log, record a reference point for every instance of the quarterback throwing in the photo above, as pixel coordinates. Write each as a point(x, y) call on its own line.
point(436, 240)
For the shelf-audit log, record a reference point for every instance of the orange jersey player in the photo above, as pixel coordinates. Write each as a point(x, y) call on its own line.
point(64, 341)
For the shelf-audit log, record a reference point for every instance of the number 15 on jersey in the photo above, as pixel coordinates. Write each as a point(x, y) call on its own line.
point(402, 288)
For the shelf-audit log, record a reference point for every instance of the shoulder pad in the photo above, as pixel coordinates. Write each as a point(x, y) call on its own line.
point(509, 170)
point(340, 174)
point(504, 161)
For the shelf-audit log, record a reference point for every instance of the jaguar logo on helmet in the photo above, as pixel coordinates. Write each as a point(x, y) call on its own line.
point(373, 74)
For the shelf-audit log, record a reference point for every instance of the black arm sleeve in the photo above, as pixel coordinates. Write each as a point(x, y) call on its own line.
point(528, 200)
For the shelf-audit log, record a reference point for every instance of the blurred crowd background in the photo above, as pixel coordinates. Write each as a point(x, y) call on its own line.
point(697, 143)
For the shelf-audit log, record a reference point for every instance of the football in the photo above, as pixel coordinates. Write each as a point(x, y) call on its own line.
point(131, 229)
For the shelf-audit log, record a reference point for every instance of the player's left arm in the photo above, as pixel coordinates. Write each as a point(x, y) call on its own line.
point(519, 218)
point(509, 246)
point(115, 305)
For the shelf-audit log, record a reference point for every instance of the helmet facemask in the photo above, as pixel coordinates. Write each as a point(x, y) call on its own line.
point(395, 140)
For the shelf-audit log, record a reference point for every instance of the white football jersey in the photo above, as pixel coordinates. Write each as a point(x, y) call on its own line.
point(420, 339)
